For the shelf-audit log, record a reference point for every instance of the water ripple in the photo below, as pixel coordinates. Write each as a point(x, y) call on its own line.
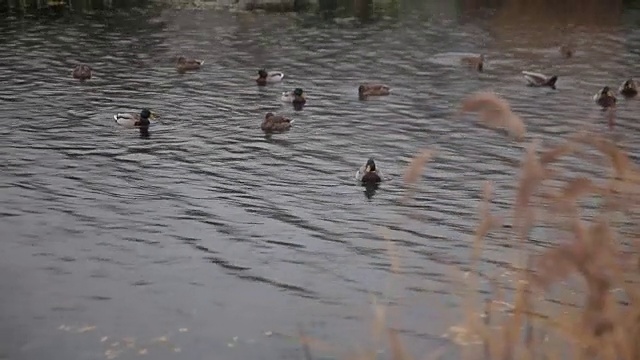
point(210, 200)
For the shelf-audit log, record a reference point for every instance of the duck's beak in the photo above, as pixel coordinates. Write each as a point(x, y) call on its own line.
point(367, 169)
point(153, 116)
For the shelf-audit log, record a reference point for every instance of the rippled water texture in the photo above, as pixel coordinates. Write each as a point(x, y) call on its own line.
point(210, 226)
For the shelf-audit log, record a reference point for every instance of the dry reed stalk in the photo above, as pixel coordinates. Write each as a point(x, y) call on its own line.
point(414, 171)
point(495, 112)
point(601, 328)
point(398, 351)
point(532, 173)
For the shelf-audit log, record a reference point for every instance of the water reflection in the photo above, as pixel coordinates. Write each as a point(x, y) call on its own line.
point(370, 190)
point(209, 222)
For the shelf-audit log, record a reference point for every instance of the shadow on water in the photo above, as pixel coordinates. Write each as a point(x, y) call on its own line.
point(208, 222)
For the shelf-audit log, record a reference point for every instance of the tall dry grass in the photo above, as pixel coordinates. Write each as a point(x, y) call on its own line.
point(578, 298)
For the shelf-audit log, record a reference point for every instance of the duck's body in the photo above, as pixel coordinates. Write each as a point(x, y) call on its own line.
point(538, 80)
point(265, 77)
point(368, 174)
point(567, 50)
point(628, 88)
point(82, 72)
point(605, 98)
point(275, 123)
point(295, 97)
point(183, 64)
point(475, 62)
point(366, 90)
point(130, 120)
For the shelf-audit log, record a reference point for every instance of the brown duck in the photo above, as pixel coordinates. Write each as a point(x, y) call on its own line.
point(368, 174)
point(475, 62)
point(628, 88)
point(366, 90)
point(82, 72)
point(275, 123)
point(605, 98)
point(183, 64)
point(567, 50)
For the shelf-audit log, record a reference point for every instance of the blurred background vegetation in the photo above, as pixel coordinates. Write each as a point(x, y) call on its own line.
point(364, 9)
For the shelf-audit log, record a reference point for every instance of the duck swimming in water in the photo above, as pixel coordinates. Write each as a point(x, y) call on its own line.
point(183, 64)
point(474, 62)
point(567, 50)
point(265, 77)
point(628, 88)
point(82, 72)
point(367, 90)
point(605, 98)
point(131, 120)
point(296, 97)
point(538, 80)
point(369, 175)
point(275, 123)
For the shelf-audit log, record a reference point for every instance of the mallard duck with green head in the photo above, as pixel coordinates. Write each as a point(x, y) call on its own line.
point(605, 98)
point(82, 72)
point(628, 88)
point(296, 97)
point(132, 120)
point(275, 123)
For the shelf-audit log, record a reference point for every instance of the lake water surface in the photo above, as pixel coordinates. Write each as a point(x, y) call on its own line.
point(222, 240)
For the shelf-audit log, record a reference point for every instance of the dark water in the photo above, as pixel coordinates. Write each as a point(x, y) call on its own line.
point(211, 227)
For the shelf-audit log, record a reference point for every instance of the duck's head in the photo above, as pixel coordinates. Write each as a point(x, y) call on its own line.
point(146, 114)
point(629, 85)
point(370, 166)
point(268, 115)
point(606, 91)
point(298, 92)
point(361, 89)
point(181, 60)
point(262, 73)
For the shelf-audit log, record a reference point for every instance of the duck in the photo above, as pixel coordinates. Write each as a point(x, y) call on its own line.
point(183, 64)
point(605, 98)
point(265, 77)
point(628, 88)
point(296, 96)
point(368, 173)
point(275, 123)
point(129, 120)
point(475, 62)
point(82, 72)
point(567, 50)
point(366, 90)
point(538, 80)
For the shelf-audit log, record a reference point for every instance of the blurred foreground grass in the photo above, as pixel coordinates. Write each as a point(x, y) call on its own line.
point(578, 299)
